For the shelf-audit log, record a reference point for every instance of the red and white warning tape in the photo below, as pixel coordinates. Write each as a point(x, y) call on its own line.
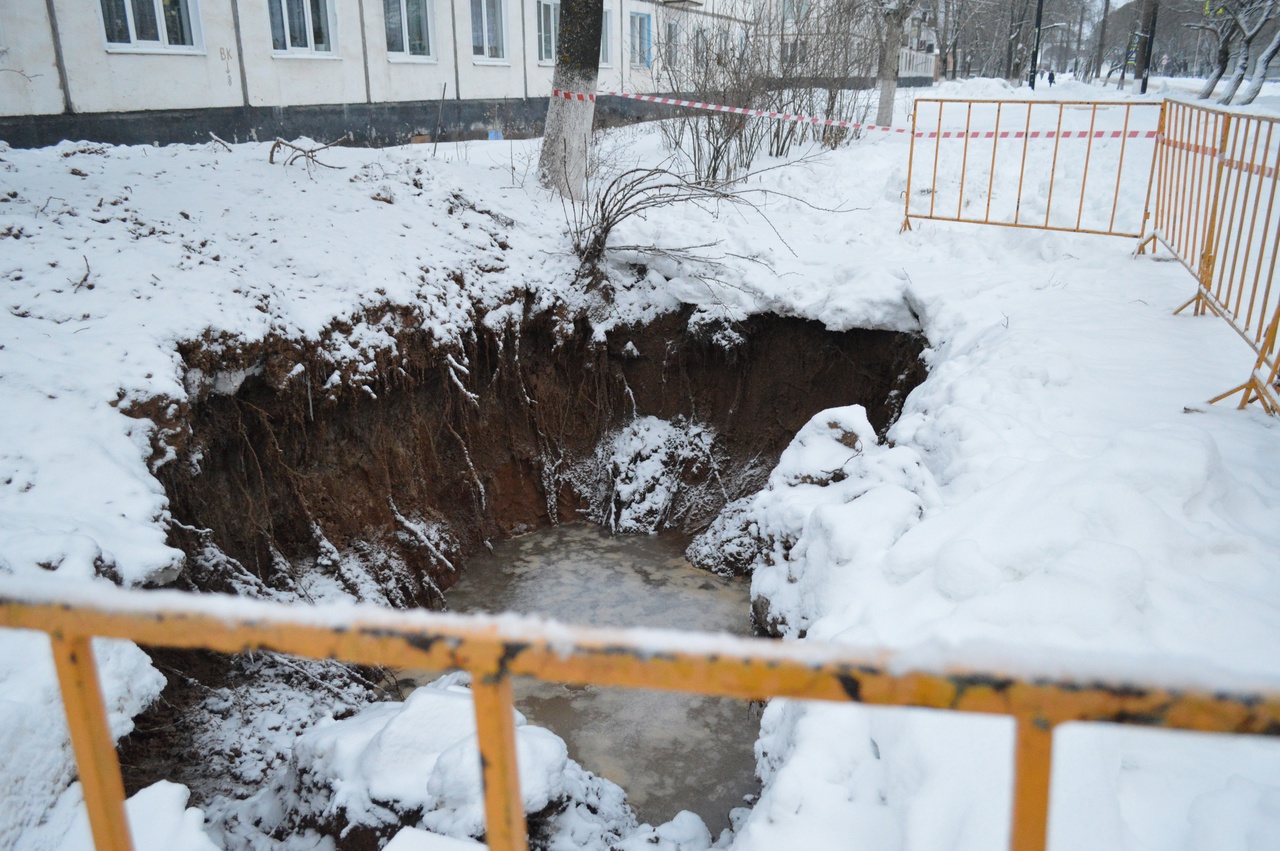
point(828, 122)
point(1039, 134)
point(715, 107)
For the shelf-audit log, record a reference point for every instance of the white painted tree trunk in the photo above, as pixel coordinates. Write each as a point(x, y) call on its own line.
point(894, 24)
point(1237, 76)
point(1260, 70)
point(566, 144)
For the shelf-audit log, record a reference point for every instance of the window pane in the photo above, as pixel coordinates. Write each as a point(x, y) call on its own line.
point(419, 28)
point(673, 44)
point(177, 22)
point(115, 22)
point(477, 27)
point(144, 20)
point(604, 39)
point(320, 24)
point(295, 12)
point(277, 25)
point(493, 29)
point(395, 26)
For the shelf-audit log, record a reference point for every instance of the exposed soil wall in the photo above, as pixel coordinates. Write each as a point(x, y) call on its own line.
point(477, 445)
point(284, 483)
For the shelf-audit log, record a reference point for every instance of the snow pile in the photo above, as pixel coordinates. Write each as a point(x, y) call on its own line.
point(159, 820)
point(654, 471)
point(40, 800)
point(418, 762)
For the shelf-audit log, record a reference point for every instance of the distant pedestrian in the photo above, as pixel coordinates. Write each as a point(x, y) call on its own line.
point(1051, 79)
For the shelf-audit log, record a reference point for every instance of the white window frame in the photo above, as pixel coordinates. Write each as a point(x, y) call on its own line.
point(671, 45)
point(485, 58)
point(309, 51)
point(430, 21)
point(548, 14)
point(136, 45)
point(641, 47)
point(606, 55)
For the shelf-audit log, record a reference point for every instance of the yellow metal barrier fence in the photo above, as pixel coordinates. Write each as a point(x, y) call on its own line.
point(1075, 166)
point(1213, 201)
point(493, 649)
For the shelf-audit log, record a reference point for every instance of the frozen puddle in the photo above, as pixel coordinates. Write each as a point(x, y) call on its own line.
point(670, 751)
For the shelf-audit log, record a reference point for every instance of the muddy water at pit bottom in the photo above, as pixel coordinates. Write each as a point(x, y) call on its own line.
point(669, 751)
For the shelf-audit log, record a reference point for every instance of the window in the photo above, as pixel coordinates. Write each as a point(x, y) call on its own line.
point(149, 23)
point(795, 10)
point(671, 48)
point(606, 26)
point(795, 52)
point(300, 25)
point(487, 29)
point(408, 27)
point(548, 30)
point(641, 40)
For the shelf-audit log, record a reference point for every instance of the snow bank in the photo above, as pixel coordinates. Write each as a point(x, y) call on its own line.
point(159, 820)
point(419, 762)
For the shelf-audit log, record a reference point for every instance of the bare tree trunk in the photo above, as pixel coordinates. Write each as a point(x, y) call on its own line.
point(895, 22)
point(1146, 38)
point(1221, 58)
point(1237, 76)
point(1102, 39)
point(566, 143)
point(1260, 70)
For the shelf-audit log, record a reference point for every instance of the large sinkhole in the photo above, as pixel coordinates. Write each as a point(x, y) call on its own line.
point(290, 480)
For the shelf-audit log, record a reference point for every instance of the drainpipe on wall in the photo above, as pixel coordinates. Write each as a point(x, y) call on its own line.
point(524, 49)
point(364, 52)
point(244, 76)
point(58, 60)
point(457, 55)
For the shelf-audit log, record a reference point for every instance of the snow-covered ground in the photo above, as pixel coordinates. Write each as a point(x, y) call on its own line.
point(1056, 500)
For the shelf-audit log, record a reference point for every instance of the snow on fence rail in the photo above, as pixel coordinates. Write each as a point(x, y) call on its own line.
point(1213, 203)
point(1005, 163)
point(493, 649)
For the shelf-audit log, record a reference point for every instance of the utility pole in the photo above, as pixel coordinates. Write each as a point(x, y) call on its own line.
point(1035, 43)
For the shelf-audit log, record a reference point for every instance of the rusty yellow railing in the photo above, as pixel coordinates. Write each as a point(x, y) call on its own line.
point(493, 649)
point(1012, 155)
point(1211, 181)
point(1213, 205)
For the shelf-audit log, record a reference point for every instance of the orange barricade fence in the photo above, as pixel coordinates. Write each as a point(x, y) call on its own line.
point(1054, 165)
point(494, 649)
point(1213, 205)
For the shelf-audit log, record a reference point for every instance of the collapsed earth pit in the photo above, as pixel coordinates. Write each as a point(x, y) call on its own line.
point(287, 483)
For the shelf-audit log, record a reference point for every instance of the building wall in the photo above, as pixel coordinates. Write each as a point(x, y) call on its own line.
point(234, 73)
point(29, 85)
point(301, 77)
point(110, 78)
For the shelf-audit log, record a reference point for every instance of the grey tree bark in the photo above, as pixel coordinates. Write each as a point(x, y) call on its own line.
point(1222, 57)
point(1250, 21)
point(566, 142)
point(895, 16)
point(1260, 70)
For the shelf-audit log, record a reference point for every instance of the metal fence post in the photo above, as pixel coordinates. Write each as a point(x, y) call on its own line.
point(1032, 768)
point(911, 155)
point(1207, 256)
point(505, 828)
point(95, 750)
